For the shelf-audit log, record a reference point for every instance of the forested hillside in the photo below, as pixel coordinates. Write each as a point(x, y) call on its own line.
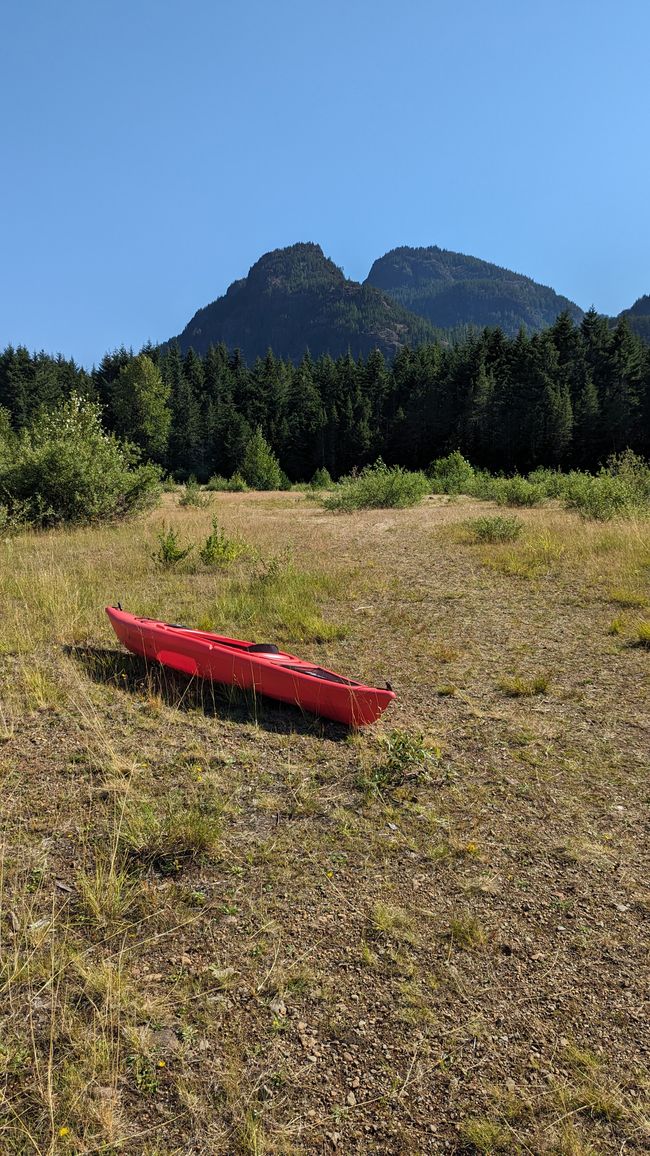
point(296, 299)
point(571, 395)
point(451, 289)
point(638, 316)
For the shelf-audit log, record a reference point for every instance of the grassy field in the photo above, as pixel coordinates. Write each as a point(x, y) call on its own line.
point(229, 928)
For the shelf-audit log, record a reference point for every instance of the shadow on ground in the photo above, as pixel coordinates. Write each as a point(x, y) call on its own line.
point(136, 676)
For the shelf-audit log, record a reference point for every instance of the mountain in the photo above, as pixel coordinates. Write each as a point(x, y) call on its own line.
point(638, 316)
point(295, 299)
point(450, 289)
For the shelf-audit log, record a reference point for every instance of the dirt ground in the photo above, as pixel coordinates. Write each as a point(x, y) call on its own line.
point(227, 927)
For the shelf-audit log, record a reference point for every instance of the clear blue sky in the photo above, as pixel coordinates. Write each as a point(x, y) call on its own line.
point(154, 149)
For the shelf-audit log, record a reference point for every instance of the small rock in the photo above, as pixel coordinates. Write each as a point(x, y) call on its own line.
point(106, 1093)
point(166, 1040)
point(351, 1099)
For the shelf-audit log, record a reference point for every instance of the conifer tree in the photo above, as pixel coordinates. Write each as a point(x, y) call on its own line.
point(139, 405)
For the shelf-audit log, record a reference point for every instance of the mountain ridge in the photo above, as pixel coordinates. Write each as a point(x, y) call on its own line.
point(450, 289)
point(295, 299)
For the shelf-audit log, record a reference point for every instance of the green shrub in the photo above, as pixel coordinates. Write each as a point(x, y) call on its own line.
point(407, 757)
point(260, 468)
point(321, 480)
point(517, 491)
point(451, 475)
point(621, 489)
point(170, 552)
point(218, 548)
point(66, 468)
point(233, 485)
point(484, 486)
point(193, 496)
point(551, 483)
point(496, 529)
point(378, 487)
point(603, 496)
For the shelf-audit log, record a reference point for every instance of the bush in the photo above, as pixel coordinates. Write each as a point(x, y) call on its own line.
point(193, 496)
point(602, 496)
point(496, 529)
point(322, 480)
point(517, 491)
point(552, 483)
point(379, 487)
point(217, 548)
point(260, 468)
point(233, 485)
point(170, 552)
point(451, 475)
point(66, 468)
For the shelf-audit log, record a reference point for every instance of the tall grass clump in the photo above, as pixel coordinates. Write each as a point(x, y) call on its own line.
point(278, 602)
point(379, 487)
point(451, 475)
point(65, 468)
point(496, 529)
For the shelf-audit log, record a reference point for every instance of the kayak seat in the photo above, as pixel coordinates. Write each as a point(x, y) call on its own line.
point(262, 648)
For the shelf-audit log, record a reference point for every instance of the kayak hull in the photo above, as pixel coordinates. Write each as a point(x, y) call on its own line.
point(264, 670)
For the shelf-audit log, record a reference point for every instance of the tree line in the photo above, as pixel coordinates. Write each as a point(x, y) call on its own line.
point(569, 396)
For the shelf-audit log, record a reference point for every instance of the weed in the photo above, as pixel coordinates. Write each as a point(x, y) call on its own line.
point(170, 552)
point(643, 634)
point(406, 758)
point(143, 1073)
point(218, 548)
point(466, 932)
point(390, 922)
point(166, 840)
point(496, 529)
point(485, 1136)
point(520, 688)
point(193, 495)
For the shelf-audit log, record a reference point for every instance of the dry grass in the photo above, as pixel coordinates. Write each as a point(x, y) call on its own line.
point(215, 938)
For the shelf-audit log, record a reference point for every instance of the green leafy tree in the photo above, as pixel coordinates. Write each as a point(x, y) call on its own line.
point(65, 467)
point(140, 406)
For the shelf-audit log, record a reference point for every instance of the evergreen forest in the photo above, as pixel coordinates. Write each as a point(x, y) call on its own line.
point(569, 396)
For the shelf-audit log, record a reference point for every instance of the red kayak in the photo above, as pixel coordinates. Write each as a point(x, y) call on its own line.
point(260, 667)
